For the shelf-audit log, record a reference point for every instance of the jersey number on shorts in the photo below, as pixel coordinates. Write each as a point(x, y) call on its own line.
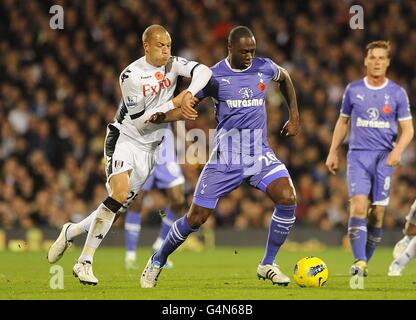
point(269, 159)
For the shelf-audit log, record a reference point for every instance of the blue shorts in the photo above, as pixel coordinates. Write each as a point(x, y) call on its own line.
point(164, 177)
point(219, 179)
point(368, 174)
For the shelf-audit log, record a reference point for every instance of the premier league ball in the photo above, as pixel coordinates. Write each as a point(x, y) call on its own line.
point(310, 272)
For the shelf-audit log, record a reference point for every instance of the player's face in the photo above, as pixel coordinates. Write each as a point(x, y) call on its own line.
point(377, 62)
point(242, 52)
point(158, 49)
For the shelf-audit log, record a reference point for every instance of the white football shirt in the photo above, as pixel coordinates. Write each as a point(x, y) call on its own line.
point(147, 89)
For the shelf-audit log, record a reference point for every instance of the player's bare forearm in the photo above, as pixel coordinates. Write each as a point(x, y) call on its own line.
point(288, 91)
point(165, 117)
point(340, 132)
point(407, 133)
point(173, 115)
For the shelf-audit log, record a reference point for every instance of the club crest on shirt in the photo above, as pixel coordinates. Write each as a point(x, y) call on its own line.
point(131, 101)
point(246, 93)
point(373, 113)
point(118, 164)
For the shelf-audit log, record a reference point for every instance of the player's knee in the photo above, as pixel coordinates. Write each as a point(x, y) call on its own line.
point(410, 229)
point(358, 210)
point(120, 195)
point(198, 216)
point(286, 197)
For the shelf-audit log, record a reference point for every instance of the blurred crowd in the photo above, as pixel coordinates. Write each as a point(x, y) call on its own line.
point(59, 89)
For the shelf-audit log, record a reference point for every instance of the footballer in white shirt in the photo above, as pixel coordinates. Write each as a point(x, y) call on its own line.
point(147, 87)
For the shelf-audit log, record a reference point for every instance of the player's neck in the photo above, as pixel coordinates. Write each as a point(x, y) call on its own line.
point(231, 63)
point(233, 67)
point(149, 61)
point(376, 81)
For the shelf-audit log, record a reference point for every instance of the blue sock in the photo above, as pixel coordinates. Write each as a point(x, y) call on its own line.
point(176, 236)
point(167, 223)
point(373, 239)
point(282, 220)
point(132, 228)
point(357, 232)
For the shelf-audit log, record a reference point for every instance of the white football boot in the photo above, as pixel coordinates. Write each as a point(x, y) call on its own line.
point(57, 249)
point(83, 271)
point(359, 268)
point(395, 270)
point(150, 274)
point(273, 273)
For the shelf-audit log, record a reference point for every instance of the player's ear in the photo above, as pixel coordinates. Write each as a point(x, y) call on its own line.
point(146, 46)
point(230, 47)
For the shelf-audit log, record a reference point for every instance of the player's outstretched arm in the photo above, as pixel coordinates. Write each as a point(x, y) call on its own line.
point(406, 136)
point(340, 132)
point(201, 74)
point(292, 126)
point(175, 114)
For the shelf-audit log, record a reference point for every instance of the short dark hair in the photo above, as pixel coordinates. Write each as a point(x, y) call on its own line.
point(379, 44)
point(239, 32)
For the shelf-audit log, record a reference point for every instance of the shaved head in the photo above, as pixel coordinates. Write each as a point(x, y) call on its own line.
point(152, 31)
point(157, 45)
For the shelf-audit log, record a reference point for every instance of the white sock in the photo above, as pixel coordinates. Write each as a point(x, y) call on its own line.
point(408, 255)
point(81, 227)
point(99, 227)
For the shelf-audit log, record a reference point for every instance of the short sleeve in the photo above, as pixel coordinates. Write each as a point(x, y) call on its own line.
point(275, 70)
point(183, 67)
point(131, 93)
point(403, 106)
point(346, 105)
point(210, 90)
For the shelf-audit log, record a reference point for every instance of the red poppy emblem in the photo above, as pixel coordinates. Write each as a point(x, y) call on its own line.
point(386, 109)
point(159, 75)
point(261, 86)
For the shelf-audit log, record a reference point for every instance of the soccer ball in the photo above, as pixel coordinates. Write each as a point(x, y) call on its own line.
point(310, 272)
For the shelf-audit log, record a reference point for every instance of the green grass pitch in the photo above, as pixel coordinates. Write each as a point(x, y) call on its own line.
point(218, 274)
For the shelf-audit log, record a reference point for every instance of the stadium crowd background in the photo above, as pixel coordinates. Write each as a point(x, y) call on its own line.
point(59, 89)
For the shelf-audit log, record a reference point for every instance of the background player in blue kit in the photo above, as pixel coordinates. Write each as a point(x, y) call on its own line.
point(238, 88)
point(374, 106)
point(168, 176)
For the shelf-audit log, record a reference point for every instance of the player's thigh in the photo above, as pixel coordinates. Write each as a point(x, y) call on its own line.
point(119, 164)
point(120, 186)
point(359, 179)
point(215, 181)
point(269, 170)
point(382, 182)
